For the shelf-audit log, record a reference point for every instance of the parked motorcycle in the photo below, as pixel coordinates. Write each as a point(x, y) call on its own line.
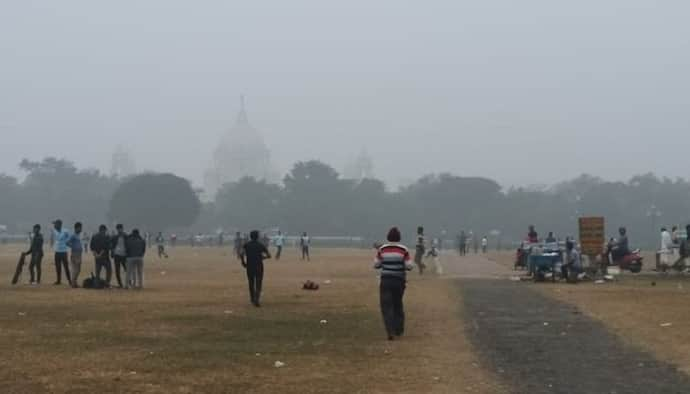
point(631, 262)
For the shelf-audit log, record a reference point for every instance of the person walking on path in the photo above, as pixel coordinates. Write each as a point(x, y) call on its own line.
point(35, 251)
point(136, 249)
point(76, 251)
point(420, 249)
point(304, 242)
point(119, 252)
point(61, 236)
point(485, 244)
point(393, 259)
point(252, 257)
point(279, 241)
point(100, 247)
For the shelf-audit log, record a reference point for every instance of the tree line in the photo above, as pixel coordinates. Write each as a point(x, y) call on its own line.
point(313, 197)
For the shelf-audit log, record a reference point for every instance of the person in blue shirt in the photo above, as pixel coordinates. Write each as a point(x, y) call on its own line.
point(76, 248)
point(60, 237)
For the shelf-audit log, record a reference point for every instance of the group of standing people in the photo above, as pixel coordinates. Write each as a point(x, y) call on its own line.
point(467, 240)
point(126, 251)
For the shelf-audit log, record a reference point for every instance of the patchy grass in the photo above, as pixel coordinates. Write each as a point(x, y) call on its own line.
point(193, 330)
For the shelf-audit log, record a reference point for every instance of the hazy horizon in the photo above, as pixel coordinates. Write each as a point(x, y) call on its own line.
point(528, 93)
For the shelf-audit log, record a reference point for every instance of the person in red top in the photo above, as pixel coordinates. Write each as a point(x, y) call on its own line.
point(393, 259)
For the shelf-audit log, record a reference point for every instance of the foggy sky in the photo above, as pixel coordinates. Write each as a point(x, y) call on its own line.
point(524, 92)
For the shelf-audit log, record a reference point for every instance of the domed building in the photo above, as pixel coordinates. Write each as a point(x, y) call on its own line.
point(241, 152)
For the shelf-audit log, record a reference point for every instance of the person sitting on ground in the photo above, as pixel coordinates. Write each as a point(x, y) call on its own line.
point(393, 259)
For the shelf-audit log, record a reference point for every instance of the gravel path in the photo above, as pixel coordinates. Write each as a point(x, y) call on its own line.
point(539, 345)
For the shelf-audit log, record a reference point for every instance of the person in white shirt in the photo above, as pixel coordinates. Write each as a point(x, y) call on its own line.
point(279, 241)
point(485, 244)
point(666, 250)
point(304, 243)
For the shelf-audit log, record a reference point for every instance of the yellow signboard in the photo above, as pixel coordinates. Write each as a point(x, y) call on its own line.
point(592, 235)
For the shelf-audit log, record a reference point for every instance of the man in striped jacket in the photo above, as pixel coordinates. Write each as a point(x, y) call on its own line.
point(393, 259)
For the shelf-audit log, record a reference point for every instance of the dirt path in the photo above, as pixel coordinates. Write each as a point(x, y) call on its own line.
point(540, 345)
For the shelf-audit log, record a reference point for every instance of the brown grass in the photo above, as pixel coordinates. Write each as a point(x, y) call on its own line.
point(192, 330)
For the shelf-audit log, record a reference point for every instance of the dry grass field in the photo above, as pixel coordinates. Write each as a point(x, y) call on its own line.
point(193, 330)
point(650, 310)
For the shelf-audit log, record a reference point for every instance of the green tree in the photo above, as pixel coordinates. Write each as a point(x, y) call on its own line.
point(249, 204)
point(155, 202)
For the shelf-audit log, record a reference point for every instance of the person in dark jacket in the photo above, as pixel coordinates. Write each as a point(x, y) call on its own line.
point(118, 250)
point(100, 247)
point(393, 259)
point(136, 249)
point(252, 256)
point(36, 253)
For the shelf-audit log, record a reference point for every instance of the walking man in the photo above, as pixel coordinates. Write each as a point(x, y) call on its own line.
point(160, 242)
point(119, 251)
point(420, 248)
point(136, 249)
point(462, 241)
point(393, 260)
point(76, 249)
point(61, 236)
point(304, 242)
point(237, 245)
point(100, 247)
point(485, 244)
point(252, 256)
point(666, 250)
point(279, 240)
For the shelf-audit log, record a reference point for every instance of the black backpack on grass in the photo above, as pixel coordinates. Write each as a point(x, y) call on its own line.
point(94, 283)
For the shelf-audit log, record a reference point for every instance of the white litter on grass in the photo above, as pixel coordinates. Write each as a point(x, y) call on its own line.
point(546, 323)
point(228, 312)
point(21, 313)
point(258, 354)
point(386, 351)
point(132, 372)
point(515, 278)
point(666, 324)
point(327, 281)
point(324, 322)
point(162, 272)
point(609, 278)
point(279, 364)
point(436, 378)
point(599, 282)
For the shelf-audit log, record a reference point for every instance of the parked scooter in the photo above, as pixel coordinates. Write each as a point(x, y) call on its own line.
point(631, 262)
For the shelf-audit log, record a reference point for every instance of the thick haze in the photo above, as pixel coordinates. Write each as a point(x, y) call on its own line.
point(521, 91)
